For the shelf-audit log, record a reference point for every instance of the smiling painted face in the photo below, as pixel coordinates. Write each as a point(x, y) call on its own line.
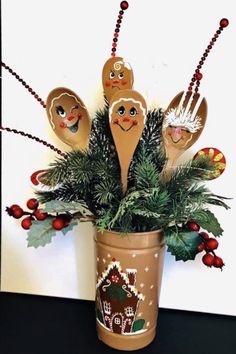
point(127, 116)
point(68, 117)
point(116, 75)
point(178, 135)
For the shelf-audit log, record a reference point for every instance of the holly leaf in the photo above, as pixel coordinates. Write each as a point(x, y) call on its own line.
point(72, 224)
point(207, 220)
point(58, 206)
point(138, 325)
point(40, 233)
point(182, 244)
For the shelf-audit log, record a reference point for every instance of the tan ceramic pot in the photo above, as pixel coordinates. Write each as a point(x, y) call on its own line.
point(129, 271)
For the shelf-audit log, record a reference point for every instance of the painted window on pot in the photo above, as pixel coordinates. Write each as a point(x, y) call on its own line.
point(129, 311)
point(107, 307)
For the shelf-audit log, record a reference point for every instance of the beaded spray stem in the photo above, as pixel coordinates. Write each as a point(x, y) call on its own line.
point(186, 114)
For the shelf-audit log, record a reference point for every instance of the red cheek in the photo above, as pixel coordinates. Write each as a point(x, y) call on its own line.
point(115, 121)
point(107, 84)
point(62, 125)
point(135, 122)
point(169, 134)
point(124, 82)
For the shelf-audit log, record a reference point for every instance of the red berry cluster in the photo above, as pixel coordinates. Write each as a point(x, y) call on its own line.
point(208, 244)
point(58, 222)
point(17, 212)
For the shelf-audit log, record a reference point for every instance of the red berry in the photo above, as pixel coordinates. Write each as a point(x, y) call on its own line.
point(58, 223)
point(17, 212)
point(193, 226)
point(39, 215)
point(26, 223)
point(32, 204)
point(224, 22)
point(201, 247)
point(218, 262)
point(13, 206)
point(124, 5)
point(204, 235)
point(208, 259)
point(212, 244)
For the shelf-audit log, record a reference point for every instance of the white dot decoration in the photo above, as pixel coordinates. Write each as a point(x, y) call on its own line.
point(146, 269)
point(150, 303)
point(152, 286)
point(148, 324)
point(140, 314)
point(133, 255)
point(156, 255)
point(141, 285)
point(104, 261)
point(98, 259)
point(108, 255)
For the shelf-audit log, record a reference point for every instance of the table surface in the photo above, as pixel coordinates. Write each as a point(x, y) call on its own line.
point(45, 325)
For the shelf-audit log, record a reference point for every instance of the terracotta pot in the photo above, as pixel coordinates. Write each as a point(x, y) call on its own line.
point(129, 271)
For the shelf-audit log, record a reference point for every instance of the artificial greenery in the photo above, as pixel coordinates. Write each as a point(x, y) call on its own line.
point(88, 183)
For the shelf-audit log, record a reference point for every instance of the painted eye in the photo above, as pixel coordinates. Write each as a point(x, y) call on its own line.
point(60, 111)
point(121, 110)
point(112, 75)
point(133, 112)
point(120, 76)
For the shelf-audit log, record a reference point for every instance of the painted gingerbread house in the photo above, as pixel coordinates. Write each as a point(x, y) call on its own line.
point(118, 297)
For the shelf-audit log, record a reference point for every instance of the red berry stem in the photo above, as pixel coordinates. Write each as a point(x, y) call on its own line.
point(124, 6)
point(50, 146)
point(30, 90)
point(197, 76)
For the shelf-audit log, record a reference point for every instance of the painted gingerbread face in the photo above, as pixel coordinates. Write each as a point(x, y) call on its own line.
point(184, 120)
point(68, 117)
point(128, 113)
point(116, 75)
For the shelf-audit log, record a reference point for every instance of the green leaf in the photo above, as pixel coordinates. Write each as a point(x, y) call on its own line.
point(99, 315)
point(138, 325)
point(207, 220)
point(70, 227)
point(58, 206)
point(182, 244)
point(40, 233)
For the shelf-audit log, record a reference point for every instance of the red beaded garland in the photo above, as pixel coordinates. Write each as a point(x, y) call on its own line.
point(198, 76)
point(24, 84)
point(124, 6)
point(15, 131)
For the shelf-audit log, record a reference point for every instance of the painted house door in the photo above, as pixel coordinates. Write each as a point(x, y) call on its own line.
point(117, 323)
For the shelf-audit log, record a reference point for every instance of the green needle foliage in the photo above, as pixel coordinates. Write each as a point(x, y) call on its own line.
point(92, 178)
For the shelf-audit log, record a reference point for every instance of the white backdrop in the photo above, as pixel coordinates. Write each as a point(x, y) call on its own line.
point(65, 43)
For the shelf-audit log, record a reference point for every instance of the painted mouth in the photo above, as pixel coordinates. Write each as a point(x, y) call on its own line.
point(125, 130)
point(175, 141)
point(115, 87)
point(74, 127)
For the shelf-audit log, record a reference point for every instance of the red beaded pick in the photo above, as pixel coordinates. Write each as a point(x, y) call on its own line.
point(124, 6)
point(197, 76)
point(31, 91)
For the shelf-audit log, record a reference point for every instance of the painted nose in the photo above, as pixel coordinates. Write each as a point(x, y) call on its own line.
point(70, 118)
point(177, 133)
point(126, 119)
point(116, 82)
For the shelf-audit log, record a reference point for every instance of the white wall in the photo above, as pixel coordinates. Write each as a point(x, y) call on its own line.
point(65, 43)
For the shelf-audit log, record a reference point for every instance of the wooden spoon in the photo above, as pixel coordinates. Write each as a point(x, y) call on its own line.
point(68, 117)
point(127, 115)
point(183, 123)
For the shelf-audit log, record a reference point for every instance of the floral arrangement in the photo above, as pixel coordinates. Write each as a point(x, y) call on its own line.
point(91, 184)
